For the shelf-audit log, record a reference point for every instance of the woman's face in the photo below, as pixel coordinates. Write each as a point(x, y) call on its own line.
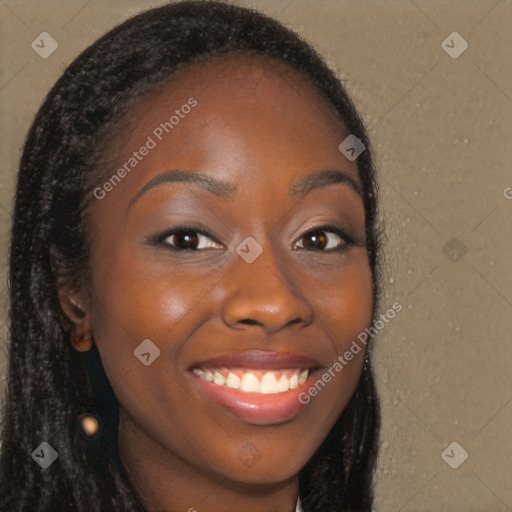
point(254, 291)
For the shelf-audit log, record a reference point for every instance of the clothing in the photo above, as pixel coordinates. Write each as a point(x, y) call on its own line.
point(299, 508)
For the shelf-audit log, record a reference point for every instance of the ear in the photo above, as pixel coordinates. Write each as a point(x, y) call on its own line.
point(74, 304)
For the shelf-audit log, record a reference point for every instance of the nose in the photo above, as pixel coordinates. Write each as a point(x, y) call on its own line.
point(262, 293)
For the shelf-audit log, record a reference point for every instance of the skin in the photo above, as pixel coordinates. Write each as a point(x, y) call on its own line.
point(260, 127)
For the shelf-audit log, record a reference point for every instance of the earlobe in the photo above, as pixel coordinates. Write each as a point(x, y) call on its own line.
point(76, 321)
point(81, 337)
point(72, 300)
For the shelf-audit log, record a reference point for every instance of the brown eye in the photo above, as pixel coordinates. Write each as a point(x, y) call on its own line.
point(189, 239)
point(185, 240)
point(315, 241)
point(324, 239)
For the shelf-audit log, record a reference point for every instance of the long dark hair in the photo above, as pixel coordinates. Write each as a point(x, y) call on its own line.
point(49, 382)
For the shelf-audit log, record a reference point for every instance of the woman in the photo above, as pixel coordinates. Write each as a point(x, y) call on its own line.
point(194, 251)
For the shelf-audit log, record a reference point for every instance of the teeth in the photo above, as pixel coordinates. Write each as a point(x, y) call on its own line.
point(268, 383)
point(283, 384)
point(250, 383)
point(219, 379)
point(233, 381)
point(255, 381)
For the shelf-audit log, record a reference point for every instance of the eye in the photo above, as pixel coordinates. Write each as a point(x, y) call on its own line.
point(188, 238)
point(325, 238)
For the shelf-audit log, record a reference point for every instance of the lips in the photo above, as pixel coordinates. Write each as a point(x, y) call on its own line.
point(262, 359)
point(259, 387)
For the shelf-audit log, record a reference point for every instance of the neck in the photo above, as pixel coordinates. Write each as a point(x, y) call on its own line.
point(165, 482)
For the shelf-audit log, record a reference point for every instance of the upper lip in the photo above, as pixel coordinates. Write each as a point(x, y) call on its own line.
point(259, 359)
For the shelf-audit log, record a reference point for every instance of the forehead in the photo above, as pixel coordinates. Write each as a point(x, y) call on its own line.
point(253, 117)
point(255, 80)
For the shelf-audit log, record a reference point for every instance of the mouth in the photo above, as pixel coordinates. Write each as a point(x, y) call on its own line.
point(255, 380)
point(258, 387)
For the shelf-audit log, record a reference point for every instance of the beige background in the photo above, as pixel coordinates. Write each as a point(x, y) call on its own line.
point(442, 132)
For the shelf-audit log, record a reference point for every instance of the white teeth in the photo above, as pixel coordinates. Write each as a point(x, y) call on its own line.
point(250, 383)
point(233, 381)
point(278, 381)
point(268, 383)
point(219, 379)
point(283, 384)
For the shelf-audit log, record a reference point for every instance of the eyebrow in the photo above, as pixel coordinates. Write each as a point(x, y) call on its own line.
point(322, 179)
point(226, 190)
point(215, 185)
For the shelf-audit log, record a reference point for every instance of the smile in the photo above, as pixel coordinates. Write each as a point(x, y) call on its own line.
point(258, 387)
point(254, 381)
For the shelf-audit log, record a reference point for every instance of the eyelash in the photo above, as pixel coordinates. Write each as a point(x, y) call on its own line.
point(347, 240)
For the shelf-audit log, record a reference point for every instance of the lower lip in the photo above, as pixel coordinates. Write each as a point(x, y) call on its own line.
point(256, 408)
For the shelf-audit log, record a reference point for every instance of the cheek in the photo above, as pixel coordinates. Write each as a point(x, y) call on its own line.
point(343, 301)
point(134, 302)
point(136, 298)
point(355, 312)
point(355, 305)
point(345, 309)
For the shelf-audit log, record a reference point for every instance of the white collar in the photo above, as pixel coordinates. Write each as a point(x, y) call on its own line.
point(299, 508)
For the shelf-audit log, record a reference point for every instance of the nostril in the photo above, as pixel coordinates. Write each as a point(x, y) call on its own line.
point(250, 321)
